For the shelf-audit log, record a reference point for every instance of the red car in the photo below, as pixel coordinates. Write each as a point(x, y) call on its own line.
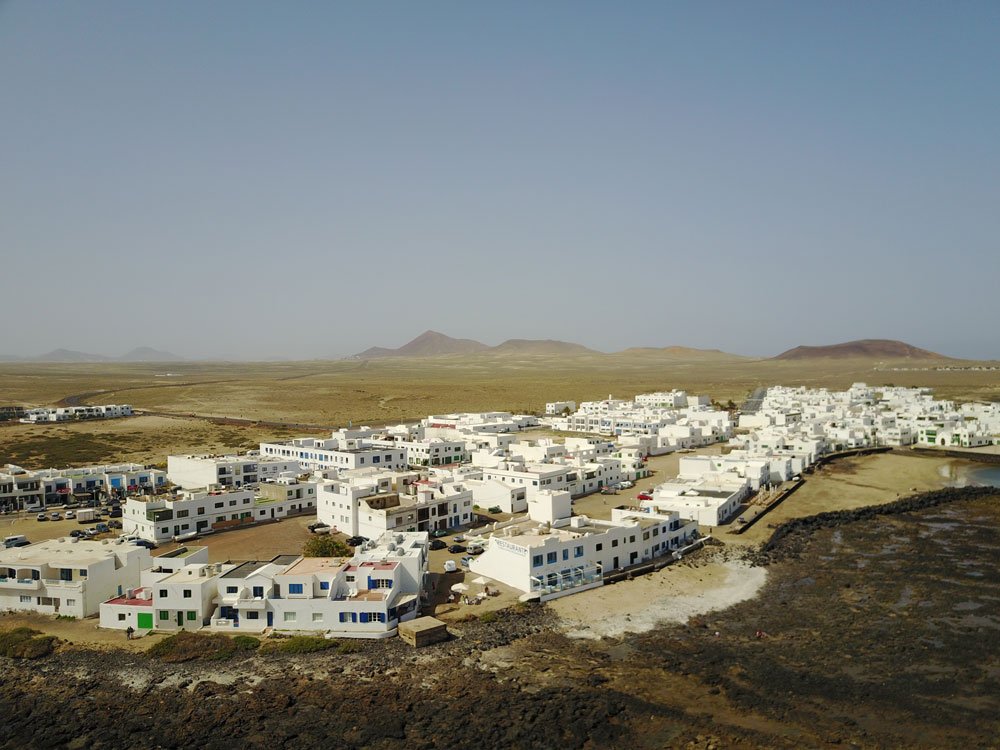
point(643, 496)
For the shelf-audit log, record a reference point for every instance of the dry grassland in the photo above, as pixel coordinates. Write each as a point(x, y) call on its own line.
point(379, 392)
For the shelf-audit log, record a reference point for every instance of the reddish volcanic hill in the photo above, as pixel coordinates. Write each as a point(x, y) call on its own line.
point(864, 349)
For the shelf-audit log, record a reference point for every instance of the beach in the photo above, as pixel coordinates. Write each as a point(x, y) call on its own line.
point(672, 595)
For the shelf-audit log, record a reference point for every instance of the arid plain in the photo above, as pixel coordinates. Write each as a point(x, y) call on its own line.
point(194, 406)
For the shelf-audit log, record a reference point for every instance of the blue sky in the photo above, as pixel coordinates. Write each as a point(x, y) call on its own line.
point(306, 179)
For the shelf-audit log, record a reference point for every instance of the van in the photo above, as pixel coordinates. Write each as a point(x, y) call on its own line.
point(18, 540)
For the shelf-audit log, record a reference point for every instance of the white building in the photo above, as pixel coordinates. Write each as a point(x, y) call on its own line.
point(68, 577)
point(161, 518)
point(366, 596)
point(356, 507)
point(198, 472)
point(344, 450)
point(553, 554)
point(71, 413)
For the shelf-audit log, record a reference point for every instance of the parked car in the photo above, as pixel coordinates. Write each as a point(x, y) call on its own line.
point(357, 541)
point(450, 566)
point(70, 514)
point(55, 516)
point(643, 496)
point(102, 528)
point(496, 509)
point(42, 517)
point(79, 533)
point(465, 561)
point(475, 549)
point(116, 512)
point(456, 549)
point(144, 543)
point(458, 538)
point(115, 524)
point(625, 485)
point(319, 528)
point(437, 544)
point(18, 540)
point(439, 533)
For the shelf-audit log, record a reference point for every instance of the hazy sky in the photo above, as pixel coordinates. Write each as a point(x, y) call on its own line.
point(307, 179)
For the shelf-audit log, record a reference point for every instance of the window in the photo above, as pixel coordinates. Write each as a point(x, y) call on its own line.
point(232, 502)
point(82, 572)
point(578, 552)
point(232, 589)
point(162, 592)
point(201, 511)
point(24, 599)
point(631, 540)
point(187, 593)
point(192, 616)
point(258, 592)
point(219, 505)
point(349, 578)
point(324, 585)
point(551, 557)
point(295, 588)
point(536, 561)
point(599, 546)
point(614, 542)
point(164, 615)
point(121, 618)
point(253, 615)
point(289, 617)
point(317, 616)
point(566, 554)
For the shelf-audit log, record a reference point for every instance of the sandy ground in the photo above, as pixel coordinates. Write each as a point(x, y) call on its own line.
point(853, 483)
point(682, 591)
point(674, 594)
point(75, 631)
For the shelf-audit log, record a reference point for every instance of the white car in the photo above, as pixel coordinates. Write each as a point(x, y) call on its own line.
point(70, 514)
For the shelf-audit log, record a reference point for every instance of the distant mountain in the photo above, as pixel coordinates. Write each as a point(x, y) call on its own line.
point(68, 355)
point(866, 349)
point(540, 346)
point(681, 352)
point(427, 344)
point(148, 354)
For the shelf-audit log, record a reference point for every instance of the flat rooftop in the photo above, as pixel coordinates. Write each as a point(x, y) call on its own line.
point(181, 552)
point(136, 600)
point(311, 565)
point(59, 551)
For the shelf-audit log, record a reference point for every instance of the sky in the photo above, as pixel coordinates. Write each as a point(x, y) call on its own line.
point(255, 180)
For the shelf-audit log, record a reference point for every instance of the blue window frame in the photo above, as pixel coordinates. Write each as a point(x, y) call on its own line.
point(295, 588)
point(566, 554)
point(536, 561)
point(551, 557)
point(578, 552)
point(324, 585)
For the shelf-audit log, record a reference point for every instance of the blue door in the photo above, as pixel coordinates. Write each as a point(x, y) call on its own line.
point(270, 619)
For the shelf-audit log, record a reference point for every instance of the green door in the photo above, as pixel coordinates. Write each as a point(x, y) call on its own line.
point(145, 620)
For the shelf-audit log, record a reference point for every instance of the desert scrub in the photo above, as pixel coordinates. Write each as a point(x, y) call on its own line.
point(193, 646)
point(297, 644)
point(25, 643)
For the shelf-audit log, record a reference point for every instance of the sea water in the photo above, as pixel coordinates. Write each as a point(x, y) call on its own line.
point(987, 475)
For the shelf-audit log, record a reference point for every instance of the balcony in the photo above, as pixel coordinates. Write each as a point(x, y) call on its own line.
point(21, 584)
